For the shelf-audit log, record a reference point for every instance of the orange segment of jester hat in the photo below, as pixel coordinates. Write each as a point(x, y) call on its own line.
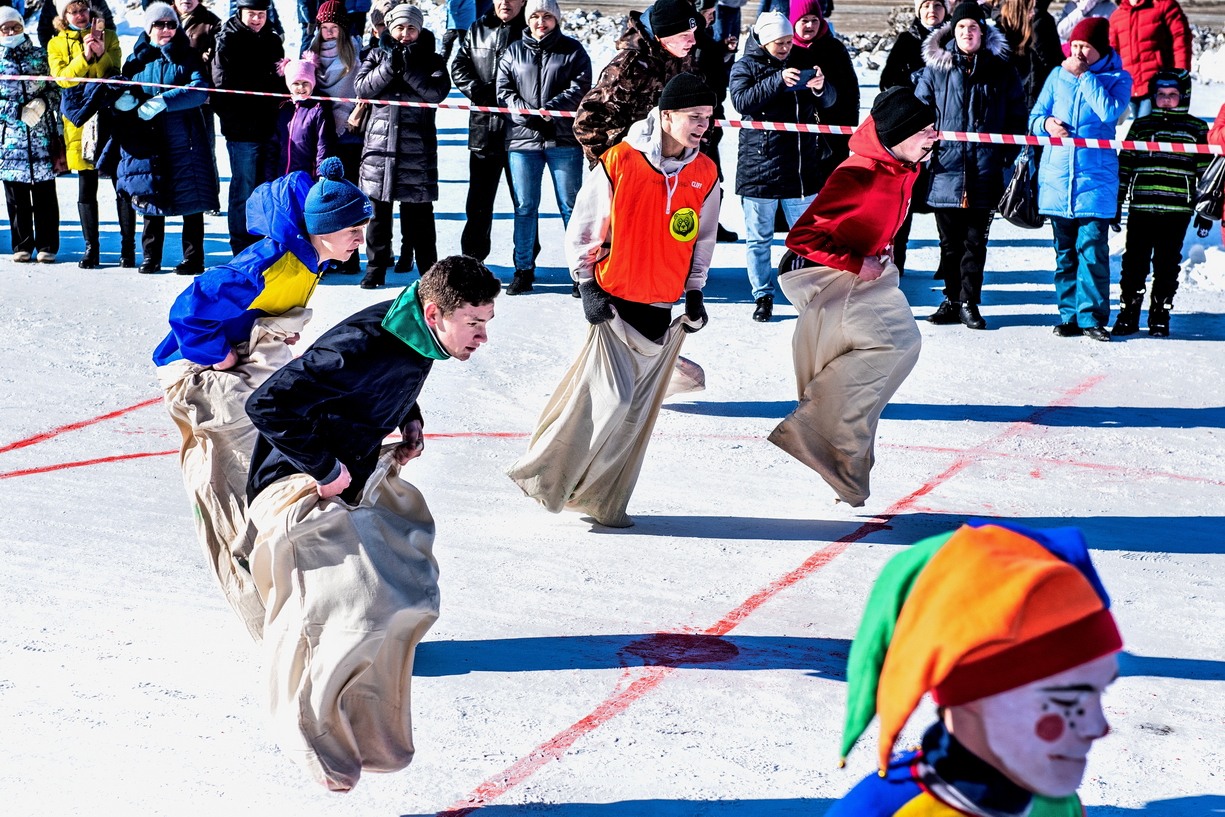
point(993, 610)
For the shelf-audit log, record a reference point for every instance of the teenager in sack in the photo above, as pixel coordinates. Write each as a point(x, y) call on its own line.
point(1160, 190)
point(29, 139)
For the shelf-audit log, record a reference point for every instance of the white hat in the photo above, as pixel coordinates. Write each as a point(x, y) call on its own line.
point(8, 14)
point(549, 6)
point(918, 5)
point(61, 6)
point(771, 26)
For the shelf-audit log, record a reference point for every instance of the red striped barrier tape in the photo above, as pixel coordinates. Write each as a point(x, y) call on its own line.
point(789, 127)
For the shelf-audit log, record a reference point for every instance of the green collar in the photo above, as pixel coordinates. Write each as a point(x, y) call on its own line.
point(406, 320)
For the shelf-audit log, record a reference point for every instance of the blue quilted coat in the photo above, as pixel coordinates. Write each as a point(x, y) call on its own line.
point(25, 153)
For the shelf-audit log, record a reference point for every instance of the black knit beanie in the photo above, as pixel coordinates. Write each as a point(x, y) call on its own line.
point(685, 91)
point(670, 17)
point(969, 11)
point(899, 115)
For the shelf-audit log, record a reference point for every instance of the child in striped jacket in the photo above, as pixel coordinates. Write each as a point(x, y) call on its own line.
point(1161, 187)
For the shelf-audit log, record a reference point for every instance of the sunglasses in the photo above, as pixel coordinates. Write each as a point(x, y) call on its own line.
point(165, 24)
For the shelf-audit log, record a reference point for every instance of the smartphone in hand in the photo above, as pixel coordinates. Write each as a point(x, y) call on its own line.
point(806, 76)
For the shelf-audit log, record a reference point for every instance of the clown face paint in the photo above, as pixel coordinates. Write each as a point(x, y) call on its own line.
point(1041, 732)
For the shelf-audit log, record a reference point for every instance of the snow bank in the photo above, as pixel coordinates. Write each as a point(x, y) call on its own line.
point(1205, 269)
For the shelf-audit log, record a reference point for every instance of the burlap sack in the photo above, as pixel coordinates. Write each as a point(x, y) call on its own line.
point(590, 440)
point(350, 590)
point(209, 408)
point(854, 344)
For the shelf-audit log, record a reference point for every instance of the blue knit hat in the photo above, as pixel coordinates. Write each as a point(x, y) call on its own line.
point(334, 203)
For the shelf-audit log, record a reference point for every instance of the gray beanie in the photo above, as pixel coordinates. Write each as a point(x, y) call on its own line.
point(159, 11)
point(404, 14)
point(549, 6)
point(771, 26)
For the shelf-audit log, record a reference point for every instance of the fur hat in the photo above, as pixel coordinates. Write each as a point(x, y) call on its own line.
point(1095, 31)
point(159, 11)
point(771, 26)
point(404, 14)
point(550, 6)
point(990, 607)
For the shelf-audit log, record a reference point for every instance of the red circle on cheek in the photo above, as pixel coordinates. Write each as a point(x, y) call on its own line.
point(1049, 728)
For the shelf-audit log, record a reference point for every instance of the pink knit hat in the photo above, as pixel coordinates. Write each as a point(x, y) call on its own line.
point(302, 70)
point(802, 8)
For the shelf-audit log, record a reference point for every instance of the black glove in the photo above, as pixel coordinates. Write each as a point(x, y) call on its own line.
point(695, 310)
point(1202, 226)
point(1116, 226)
point(597, 304)
point(545, 127)
point(398, 59)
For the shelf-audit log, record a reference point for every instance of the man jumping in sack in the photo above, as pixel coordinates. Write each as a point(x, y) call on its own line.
point(641, 236)
point(232, 328)
point(856, 339)
point(343, 554)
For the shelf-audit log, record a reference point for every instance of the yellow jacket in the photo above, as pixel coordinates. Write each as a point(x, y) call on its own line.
point(66, 56)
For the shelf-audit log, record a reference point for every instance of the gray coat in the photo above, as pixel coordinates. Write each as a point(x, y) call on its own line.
point(400, 150)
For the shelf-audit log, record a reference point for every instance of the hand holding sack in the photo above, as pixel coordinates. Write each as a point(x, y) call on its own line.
point(695, 310)
point(597, 304)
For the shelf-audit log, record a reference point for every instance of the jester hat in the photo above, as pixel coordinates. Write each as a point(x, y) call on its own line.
point(965, 615)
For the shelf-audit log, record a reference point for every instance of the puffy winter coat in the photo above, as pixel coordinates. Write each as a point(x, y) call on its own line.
point(628, 88)
point(304, 136)
point(50, 23)
point(246, 60)
point(982, 94)
point(829, 54)
point(165, 164)
point(400, 152)
point(25, 152)
point(1151, 36)
point(201, 28)
point(337, 402)
point(461, 14)
point(475, 73)
point(1074, 182)
point(1044, 54)
point(775, 164)
point(905, 58)
point(66, 58)
point(272, 276)
point(859, 209)
point(1160, 182)
point(553, 73)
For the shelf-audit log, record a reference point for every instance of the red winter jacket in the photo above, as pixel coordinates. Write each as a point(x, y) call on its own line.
point(1151, 36)
point(859, 209)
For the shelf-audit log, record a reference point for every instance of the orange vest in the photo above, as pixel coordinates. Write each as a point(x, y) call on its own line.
point(652, 243)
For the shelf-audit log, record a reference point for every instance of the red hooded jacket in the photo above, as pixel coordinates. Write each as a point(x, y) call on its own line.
point(861, 207)
point(1151, 37)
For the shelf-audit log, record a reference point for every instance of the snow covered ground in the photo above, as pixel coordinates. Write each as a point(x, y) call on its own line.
point(691, 665)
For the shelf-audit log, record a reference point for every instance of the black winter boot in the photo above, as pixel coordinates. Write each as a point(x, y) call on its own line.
point(89, 229)
point(765, 309)
point(948, 313)
point(375, 277)
point(522, 282)
point(127, 232)
point(1159, 319)
point(970, 317)
point(1128, 320)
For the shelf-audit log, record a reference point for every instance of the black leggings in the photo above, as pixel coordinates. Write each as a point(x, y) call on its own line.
point(650, 321)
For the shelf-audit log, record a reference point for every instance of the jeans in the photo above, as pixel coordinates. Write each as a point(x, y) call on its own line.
point(526, 170)
point(727, 22)
point(1157, 237)
point(34, 216)
point(249, 163)
point(963, 252)
point(759, 222)
point(1082, 279)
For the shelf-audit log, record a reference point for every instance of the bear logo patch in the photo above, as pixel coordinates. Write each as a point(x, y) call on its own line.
point(684, 224)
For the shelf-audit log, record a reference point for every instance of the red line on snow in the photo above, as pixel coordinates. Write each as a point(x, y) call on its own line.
point(45, 468)
point(46, 435)
point(556, 746)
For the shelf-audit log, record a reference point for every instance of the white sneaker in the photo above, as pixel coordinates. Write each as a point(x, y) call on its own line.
point(21, 257)
point(45, 257)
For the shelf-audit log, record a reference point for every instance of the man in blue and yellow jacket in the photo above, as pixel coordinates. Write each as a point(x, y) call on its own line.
point(305, 228)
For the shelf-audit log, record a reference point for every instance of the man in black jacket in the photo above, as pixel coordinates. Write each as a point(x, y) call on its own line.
point(248, 51)
point(327, 413)
point(475, 74)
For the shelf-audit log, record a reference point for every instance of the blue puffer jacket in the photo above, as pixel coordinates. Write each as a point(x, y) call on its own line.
point(1081, 182)
point(270, 277)
point(775, 164)
point(982, 95)
point(165, 164)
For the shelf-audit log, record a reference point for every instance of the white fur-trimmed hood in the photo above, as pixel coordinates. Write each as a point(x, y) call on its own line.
point(937, 54)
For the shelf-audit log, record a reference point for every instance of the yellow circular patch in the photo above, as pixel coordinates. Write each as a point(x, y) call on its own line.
point(684, 224)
